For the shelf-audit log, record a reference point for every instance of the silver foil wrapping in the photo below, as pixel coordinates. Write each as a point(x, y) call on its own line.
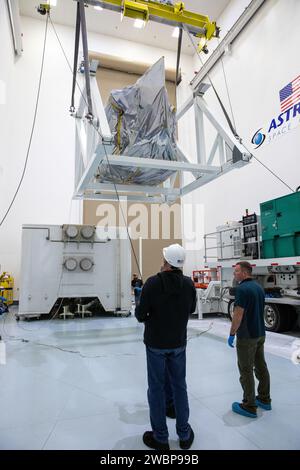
point(143, 125)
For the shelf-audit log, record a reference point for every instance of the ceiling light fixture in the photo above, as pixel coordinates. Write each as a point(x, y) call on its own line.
point(175, 33)
point(139, 23)
point(97, 7)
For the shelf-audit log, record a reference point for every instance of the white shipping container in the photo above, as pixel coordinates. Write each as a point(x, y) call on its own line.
point(74, 261)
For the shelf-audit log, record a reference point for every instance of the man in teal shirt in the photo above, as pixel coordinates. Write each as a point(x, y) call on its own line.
point(248, 325)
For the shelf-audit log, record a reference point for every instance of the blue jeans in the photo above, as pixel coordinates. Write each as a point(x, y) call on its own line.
point(161, 362)
point(168, 390)
point(137, 294)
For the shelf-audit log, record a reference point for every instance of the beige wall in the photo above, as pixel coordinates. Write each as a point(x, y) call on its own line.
point(151, 248)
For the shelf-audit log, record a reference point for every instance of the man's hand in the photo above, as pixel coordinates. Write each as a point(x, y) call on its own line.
point(237, 317)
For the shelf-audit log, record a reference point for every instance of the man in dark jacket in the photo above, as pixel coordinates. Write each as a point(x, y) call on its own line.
point(136, 285)
point(166, 301)
point(136, 282)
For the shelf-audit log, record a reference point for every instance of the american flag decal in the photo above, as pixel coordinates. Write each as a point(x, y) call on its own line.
point(290, 94)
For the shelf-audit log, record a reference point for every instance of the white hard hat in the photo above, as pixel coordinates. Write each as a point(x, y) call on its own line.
point(174, 255)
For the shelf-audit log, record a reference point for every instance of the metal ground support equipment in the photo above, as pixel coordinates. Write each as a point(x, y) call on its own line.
point(208, 300)
point(74, 263)
point(7, 288)
point(94, 141)
point(234, 241)
point(66, 313)
point(279, 277)
point(280, 280)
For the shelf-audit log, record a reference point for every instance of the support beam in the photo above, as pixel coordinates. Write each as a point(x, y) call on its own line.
point(82, 142)
point(182, 157)
point(129, 198)
point(200, 136)
point(221, 151)
point(227, 135)
point(207, 178)
point(184, 107)
point(213, 150)
point(99, 110)
point(171, 181)
point(92, 166)
point(122, 160)
point(134, 188)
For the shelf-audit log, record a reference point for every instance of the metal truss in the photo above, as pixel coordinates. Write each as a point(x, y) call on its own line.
point(94, 145)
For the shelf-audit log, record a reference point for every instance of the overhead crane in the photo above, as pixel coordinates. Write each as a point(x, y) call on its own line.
point(175, 15)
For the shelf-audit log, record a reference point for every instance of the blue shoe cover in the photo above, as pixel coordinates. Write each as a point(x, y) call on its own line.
point(236, 407)
point(264, 406)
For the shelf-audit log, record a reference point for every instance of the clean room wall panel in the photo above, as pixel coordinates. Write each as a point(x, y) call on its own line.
point(263, 59)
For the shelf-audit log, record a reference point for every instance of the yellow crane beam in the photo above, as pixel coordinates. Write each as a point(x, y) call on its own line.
point(173, 15)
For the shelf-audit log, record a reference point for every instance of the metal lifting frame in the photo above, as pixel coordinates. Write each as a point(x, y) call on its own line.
point(95, 145)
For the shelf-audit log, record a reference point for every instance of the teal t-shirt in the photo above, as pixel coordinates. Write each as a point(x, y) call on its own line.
point(251, 297)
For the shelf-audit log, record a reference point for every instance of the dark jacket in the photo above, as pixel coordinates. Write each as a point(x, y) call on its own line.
point(136, 283)
point(167, 300)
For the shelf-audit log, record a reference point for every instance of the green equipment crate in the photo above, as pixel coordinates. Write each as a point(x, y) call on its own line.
point(280, 224)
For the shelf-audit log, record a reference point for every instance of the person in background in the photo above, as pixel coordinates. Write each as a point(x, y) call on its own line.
point(136, 285)
point(167, 300)
point(136, 281)
point(248, 324)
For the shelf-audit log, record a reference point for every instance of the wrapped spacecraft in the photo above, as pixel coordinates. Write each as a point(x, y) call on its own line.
point(143, 125)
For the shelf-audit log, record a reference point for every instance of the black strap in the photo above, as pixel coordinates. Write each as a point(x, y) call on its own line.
point(178, 78)
point(81, 25)
point(233, 130)
point(77, 33)
point(86, 59)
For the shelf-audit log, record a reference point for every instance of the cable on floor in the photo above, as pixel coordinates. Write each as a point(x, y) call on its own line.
point(71, 351)
point(202, 332)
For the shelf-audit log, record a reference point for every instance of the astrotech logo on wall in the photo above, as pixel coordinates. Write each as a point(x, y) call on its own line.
point(288, 119)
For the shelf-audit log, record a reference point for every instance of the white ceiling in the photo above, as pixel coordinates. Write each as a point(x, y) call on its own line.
point(109, 23)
